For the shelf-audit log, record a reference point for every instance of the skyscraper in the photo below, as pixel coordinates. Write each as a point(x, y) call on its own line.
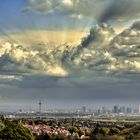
point(116, 109)
point(122, 109)
point(40, 104)
point(83, 109)
point(139, 109)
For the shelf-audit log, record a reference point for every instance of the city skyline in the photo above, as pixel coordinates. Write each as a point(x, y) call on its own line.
point(35, 106)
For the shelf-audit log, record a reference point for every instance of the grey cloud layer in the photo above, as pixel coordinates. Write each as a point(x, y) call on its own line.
point(102, 55)
point(92, 8)
point(16, 59)
point(104, 66)
point(105, 51)
point(121, 9)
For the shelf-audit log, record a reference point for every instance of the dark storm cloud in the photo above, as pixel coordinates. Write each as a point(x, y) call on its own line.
point(74, 88)
point(121, 9)
point(136, 25)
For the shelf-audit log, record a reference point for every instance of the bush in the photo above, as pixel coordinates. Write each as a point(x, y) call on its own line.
point(109, 138)
point(58, 137)
point(104, 131)
point(72, 129)
point(43, 137)
point(15, 132)
point(2, 126)
point(80, 132)
point(114, 131)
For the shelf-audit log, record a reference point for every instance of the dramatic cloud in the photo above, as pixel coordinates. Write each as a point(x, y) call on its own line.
point(71, 7)
point(105, 65)
point(102, 10)
point(121, 10)
point(50, 6)
point(136, 25)
point(102, 52)
point(18, 59)
point(52, 50)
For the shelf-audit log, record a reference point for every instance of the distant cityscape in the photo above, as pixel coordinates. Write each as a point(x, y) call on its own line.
point(84, 111)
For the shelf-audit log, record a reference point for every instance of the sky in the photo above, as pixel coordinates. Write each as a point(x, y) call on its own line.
point(69, 53)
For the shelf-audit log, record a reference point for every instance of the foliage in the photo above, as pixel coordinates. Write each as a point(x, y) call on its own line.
point(109, 138)
point(114, 131)
point(57, 138)
point(43, 137)
point(80, 132)
point(104, 131)
point(95, 131)
point(72, 129)
point(15, 132)
point(2, 126)
point(12, 130)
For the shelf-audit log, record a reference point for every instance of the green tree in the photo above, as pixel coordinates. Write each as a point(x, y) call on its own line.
point(95, 131)
point(72, 129)
point(15, 132)
point(59, 138)
point(114, 131)
point(80, 132)
point(43, 137)
point(2, 126)
point(104, 131)
point(130, 137)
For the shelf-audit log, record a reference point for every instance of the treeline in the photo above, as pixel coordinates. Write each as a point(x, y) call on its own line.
point(13, 130)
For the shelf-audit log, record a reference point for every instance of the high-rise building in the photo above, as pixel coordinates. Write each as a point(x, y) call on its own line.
point(122, 109)
point(40, 105)
point(129, 110)
point(99, 112)
point(83, 109)
point(116, 109)
point(104, 110)
point(139, 109)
